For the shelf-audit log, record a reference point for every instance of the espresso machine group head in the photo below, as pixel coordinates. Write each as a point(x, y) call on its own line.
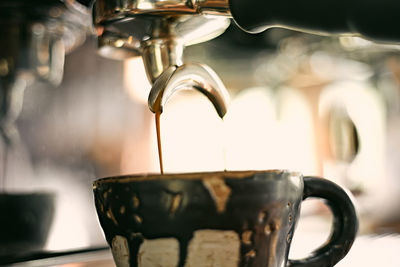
point(37, 34)
point(158, 30)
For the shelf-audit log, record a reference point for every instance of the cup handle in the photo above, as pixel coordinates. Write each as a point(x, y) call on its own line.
point(345, 223)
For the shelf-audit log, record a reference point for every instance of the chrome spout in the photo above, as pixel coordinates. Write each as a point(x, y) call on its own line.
point(188, 76)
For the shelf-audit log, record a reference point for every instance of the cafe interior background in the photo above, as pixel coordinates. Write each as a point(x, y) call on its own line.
point(327, 106)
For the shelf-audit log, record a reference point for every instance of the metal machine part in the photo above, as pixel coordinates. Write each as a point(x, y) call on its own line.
point(374, 20)
point(158, 31)
point(196, 76)
point(115, 9)
point(35, 35)
point(159, 39)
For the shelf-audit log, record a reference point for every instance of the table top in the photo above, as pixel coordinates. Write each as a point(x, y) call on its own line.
point(368, 250)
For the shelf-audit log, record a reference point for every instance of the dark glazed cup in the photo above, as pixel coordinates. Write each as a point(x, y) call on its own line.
point(25, 223)
point(226, 219)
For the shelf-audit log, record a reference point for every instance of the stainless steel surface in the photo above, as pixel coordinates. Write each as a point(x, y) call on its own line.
point(156, 30)
point(159, 54)
point(189, 76)
point(34, 40)
point(159, 31)
point(162, 50)
point(35, 43)
point(35, 37)
point(11, 96)
point(106, 10)
point(133, 38)
point(118, 46)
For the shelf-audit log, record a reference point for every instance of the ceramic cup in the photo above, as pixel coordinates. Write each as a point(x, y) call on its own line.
point(227, 219)
point(25, 222)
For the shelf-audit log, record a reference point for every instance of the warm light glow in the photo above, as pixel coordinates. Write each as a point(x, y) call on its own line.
point(69, 228)
point(251, 131)
point(191, 134)
point(260, 131)
point(266, 131)
point(366, 251)
point(135, 79)
point(333, 68)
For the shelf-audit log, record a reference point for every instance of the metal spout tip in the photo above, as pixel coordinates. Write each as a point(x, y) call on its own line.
point(189, 76)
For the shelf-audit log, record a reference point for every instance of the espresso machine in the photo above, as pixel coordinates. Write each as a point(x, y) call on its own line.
point(38, 39)
point(35, 38)
point(158, 31)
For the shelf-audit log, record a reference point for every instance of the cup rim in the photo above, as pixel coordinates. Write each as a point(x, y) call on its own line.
point(236, 174)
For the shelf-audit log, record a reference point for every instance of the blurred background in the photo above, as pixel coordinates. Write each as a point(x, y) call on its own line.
point(324, 106)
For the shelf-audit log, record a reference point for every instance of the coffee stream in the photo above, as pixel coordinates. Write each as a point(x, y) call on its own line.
point(157, 115)
point(160, 157)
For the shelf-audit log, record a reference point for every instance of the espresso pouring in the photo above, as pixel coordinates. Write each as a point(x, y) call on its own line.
point(160, 158)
